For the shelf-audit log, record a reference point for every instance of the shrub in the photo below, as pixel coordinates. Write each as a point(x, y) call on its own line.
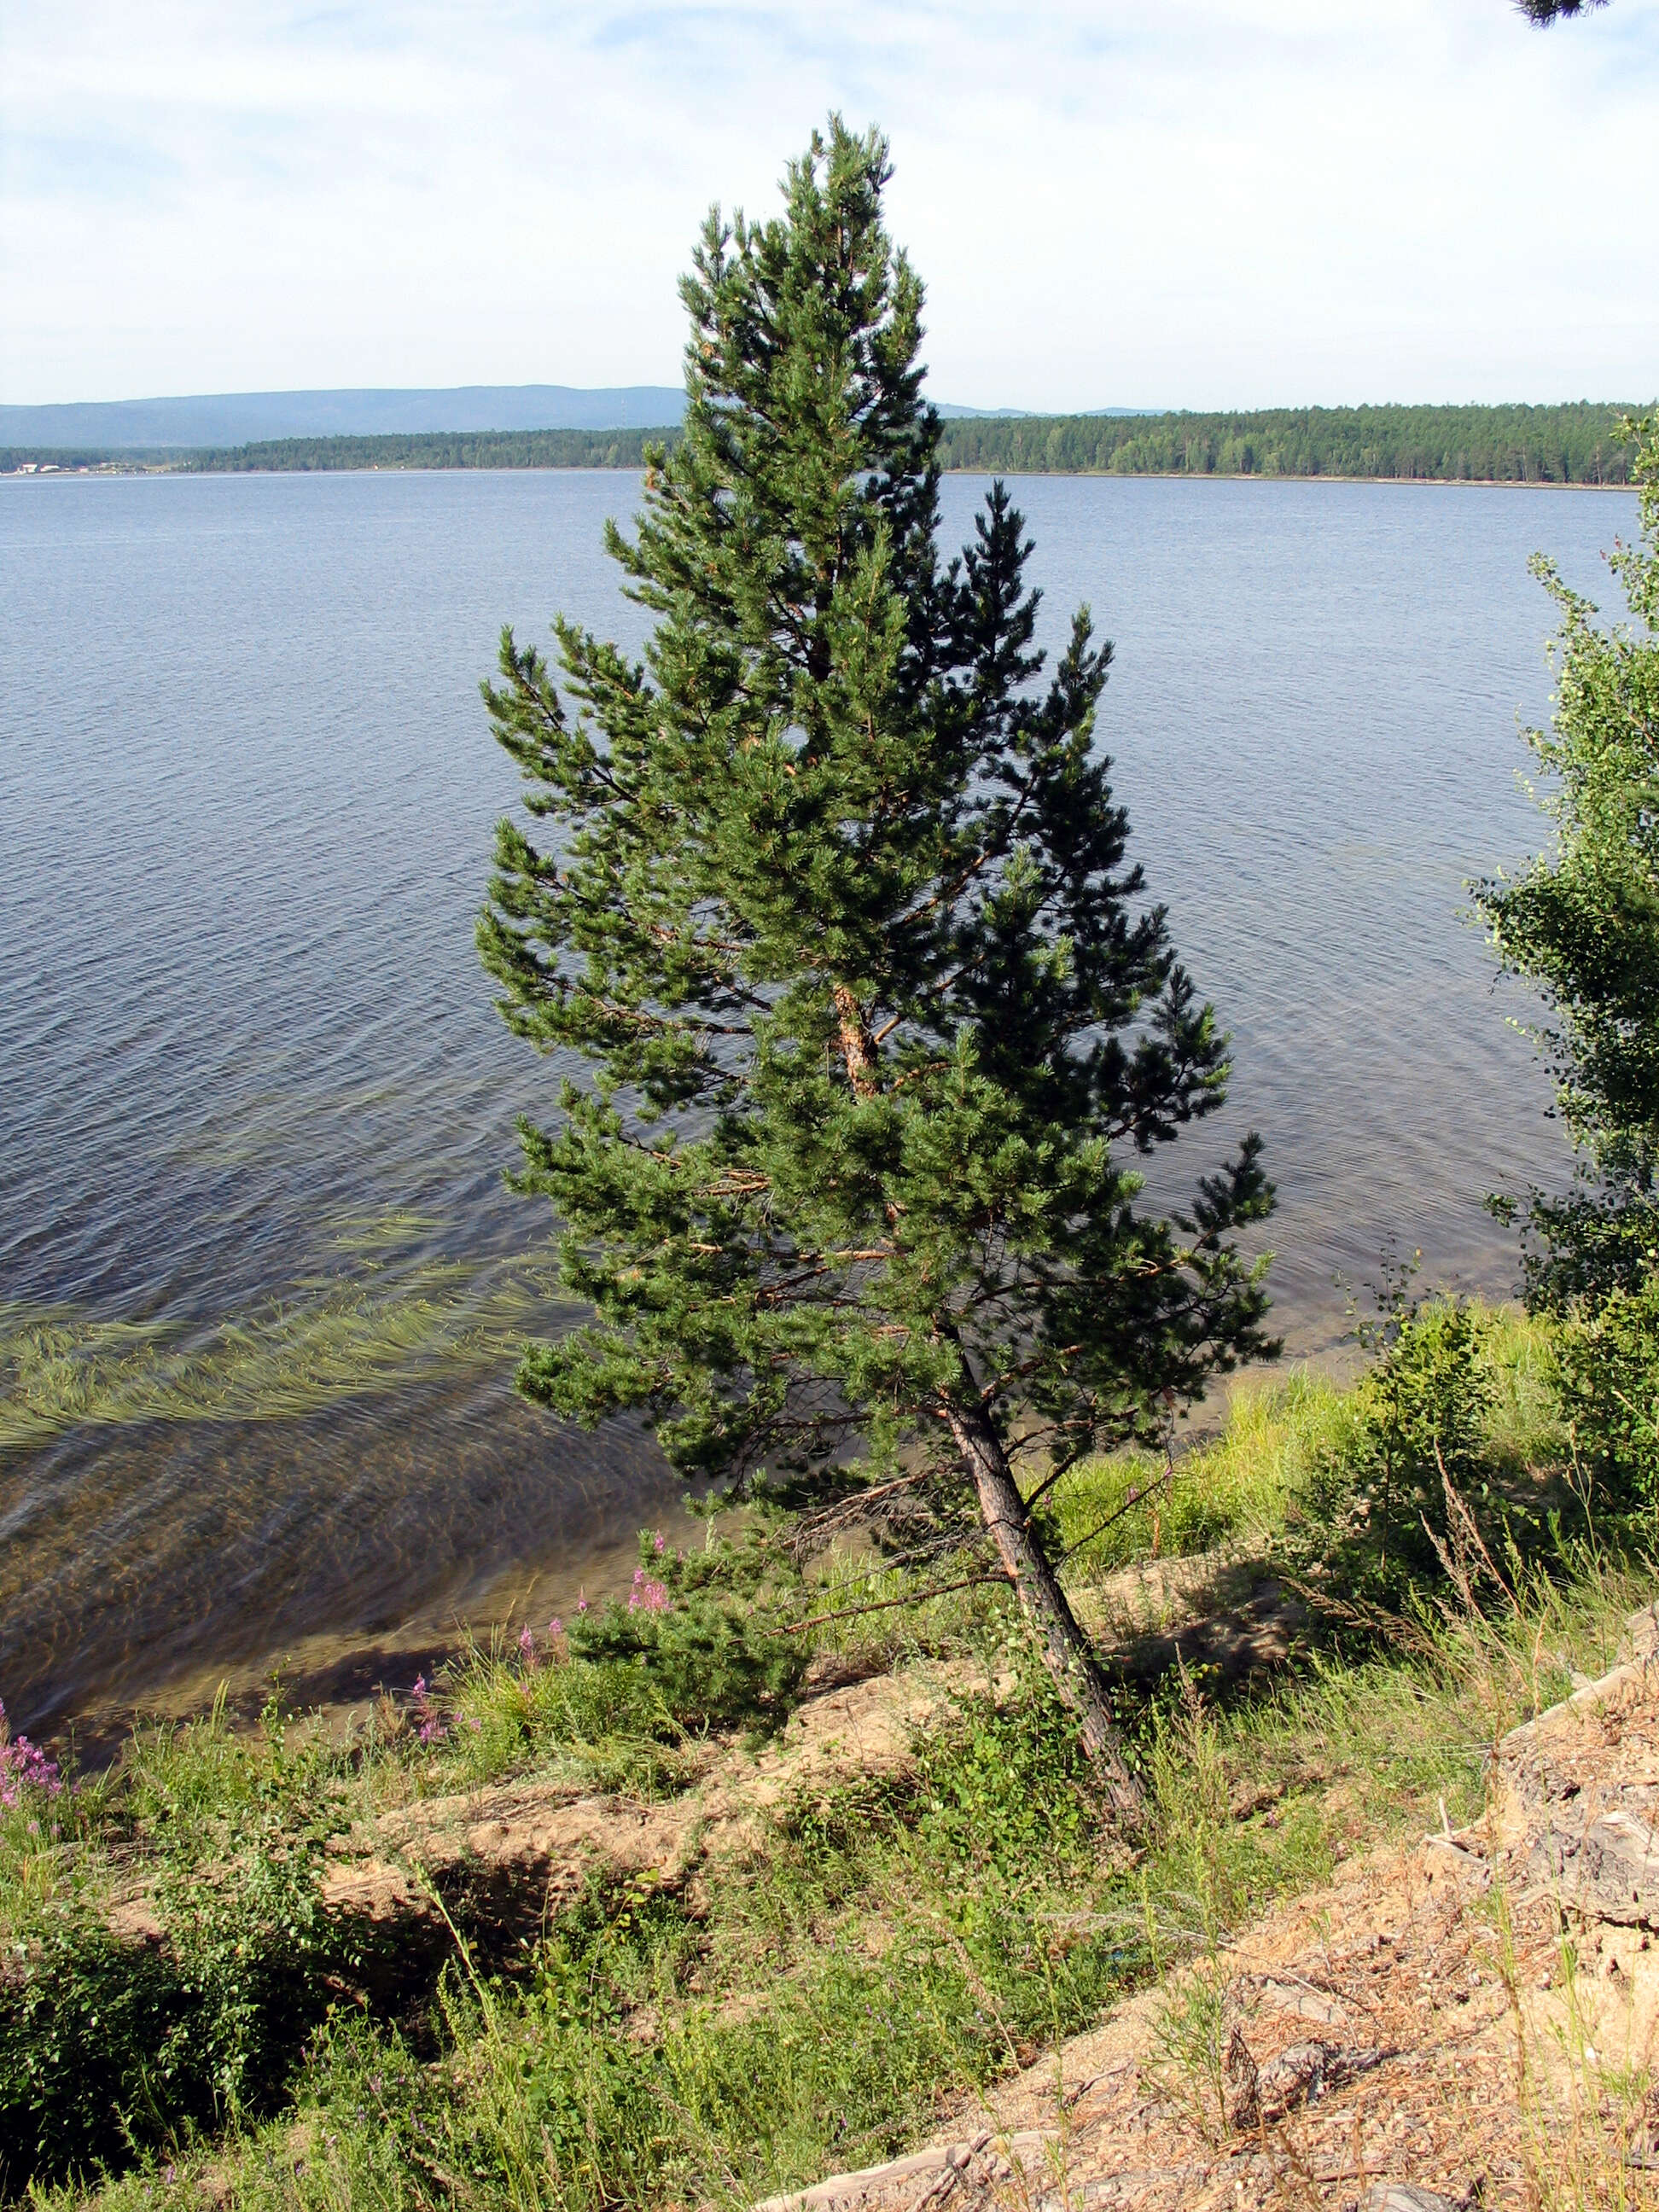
point(711, 1630)
point(1374, 1505)
point(111, 2044)
point(1609, 1382)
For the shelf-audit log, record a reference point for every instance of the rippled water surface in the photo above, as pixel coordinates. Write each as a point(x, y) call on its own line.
point(259, 1278)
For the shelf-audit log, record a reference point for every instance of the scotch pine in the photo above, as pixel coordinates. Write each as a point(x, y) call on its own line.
point(829, 914)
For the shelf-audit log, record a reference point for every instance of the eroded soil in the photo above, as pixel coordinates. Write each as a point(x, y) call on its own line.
point(1472, 2019)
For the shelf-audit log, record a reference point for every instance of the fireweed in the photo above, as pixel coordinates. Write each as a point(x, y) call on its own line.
point(24, 1766)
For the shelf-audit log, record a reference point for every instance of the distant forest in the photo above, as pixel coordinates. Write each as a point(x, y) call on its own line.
point(442, 449)
point(1576, 444)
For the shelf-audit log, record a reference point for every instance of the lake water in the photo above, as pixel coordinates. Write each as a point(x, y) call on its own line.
point(258, 1276)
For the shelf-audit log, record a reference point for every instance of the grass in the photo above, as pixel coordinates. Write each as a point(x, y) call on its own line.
point(1234, 1489)
point(1222, 1490)
point(889, 1950)
point(884, 1950)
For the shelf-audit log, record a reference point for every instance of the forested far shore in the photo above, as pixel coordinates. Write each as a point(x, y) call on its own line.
point(1581, 443)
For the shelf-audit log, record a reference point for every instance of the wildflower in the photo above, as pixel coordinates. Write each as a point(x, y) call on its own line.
point(648, 1596)
point(527, 1644)
point(657, 1542)
point(581, 1602)
point(23, 1764)
point(430, 1728)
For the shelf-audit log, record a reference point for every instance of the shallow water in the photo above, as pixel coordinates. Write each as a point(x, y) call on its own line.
point(259, 1277)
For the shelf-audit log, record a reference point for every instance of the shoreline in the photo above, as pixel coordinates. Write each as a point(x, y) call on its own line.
point(109, 469)
point(336, 1678)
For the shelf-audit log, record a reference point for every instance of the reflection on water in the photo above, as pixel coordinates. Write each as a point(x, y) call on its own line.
point(260, 1280)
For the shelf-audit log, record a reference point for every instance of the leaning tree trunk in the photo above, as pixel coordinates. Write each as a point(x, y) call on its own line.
point(1065, 1649)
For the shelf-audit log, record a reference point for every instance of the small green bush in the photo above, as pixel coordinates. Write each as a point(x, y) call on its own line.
point(1609, 1370)
point(711, 1630)
point(110, 2045)
point(1373, 1523)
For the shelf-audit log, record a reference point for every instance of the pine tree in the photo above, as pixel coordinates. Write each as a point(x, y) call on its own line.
point(1550, 11)
point(834, 916)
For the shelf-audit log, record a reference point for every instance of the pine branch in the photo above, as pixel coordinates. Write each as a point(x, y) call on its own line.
point(887, 1604)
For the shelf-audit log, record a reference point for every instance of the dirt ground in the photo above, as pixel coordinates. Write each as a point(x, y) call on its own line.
point(1468, 2021)
point(524, 1850)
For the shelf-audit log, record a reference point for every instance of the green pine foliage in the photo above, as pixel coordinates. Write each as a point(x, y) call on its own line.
point(862, 1023)
point(1550, 11)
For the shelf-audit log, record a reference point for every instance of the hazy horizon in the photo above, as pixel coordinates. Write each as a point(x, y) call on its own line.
point(162, 421)
point(1284, 201)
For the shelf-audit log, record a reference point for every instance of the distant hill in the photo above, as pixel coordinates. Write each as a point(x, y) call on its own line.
point(237, 418)
point(243, 418)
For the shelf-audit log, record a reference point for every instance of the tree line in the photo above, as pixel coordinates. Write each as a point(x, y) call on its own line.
point(1579, 443)
point(438, 449)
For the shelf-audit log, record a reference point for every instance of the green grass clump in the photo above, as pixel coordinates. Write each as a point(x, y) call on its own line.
point(603, 1726)
point(1282, 1437)
point(1113, 1511)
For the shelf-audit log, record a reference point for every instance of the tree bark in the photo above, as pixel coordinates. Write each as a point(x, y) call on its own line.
point(858, 1050)
point(1065, 1648)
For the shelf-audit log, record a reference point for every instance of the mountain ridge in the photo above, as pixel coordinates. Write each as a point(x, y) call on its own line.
point(236, 418)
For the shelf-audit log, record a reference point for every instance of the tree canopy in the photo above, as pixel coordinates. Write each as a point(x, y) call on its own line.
point(862, 1020)
point(1582, 921)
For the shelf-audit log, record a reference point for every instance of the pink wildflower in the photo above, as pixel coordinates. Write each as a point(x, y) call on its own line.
point(657, 1542)
point(581, 1602)
point(648, 1596)
point(527, 1644)
point(430, 1728)
point(23, 1764)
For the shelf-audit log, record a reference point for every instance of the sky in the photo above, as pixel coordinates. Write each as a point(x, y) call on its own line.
point(1178, 203)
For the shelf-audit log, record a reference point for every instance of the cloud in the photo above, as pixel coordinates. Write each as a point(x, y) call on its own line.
point(1206, 202)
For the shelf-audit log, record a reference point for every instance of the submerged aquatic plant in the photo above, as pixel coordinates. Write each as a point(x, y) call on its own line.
point(374, 1320)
